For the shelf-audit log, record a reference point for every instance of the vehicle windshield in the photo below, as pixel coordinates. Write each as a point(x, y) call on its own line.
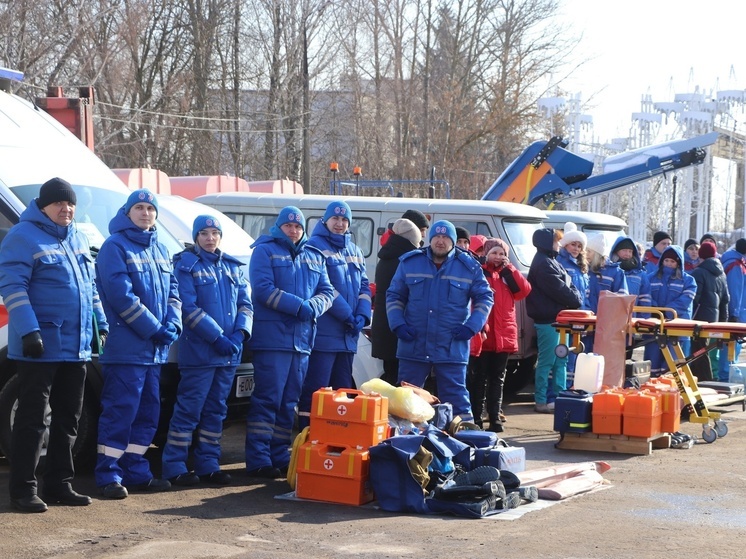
point(94, 210)
point(520, 236)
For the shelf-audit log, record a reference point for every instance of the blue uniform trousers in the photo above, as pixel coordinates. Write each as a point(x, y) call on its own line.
point(278, 380)
point(130, 406)
point(325, 368)
point(201, 405)
point(450, 378)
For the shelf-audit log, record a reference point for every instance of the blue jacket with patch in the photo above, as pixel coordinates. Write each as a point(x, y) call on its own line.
point(282, 276)
point(214, 302)
point(47, 284)
point(578, 278)
point(609, 278)
point(435, 301)
point(671, 287)
point(345, 265)
point(139, 293)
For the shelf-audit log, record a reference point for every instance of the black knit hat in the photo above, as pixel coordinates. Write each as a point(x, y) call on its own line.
point(708, 237)
point(741, 246)
point(690, 242)
point(56, 190)
point(658, 236)
point(417, 217)
point(625, 243)
point(462, 233)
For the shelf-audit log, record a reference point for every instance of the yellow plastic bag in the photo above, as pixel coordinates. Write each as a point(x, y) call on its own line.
point(403, 401)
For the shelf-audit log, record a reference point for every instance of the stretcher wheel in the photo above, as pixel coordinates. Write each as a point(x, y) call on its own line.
point(562, 351)
point(721, 428)
point(709, 435)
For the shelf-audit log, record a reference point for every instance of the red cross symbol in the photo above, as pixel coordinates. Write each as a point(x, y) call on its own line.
point(328, 464)
point(341, 409)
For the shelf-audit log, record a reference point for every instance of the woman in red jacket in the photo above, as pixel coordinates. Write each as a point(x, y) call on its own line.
point(509, 286)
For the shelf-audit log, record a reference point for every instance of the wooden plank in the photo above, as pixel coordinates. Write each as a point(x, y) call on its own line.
point(620, 444)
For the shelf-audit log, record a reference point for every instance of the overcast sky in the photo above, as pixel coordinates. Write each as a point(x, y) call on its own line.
point(661, 47)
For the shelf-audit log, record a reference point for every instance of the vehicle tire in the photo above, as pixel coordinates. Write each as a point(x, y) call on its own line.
point(84, 448)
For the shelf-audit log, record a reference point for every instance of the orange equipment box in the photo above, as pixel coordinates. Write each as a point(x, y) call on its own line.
point(642, 415)
point(347, 417)
point(607, 413)
point(671, 410)
point(334, 474)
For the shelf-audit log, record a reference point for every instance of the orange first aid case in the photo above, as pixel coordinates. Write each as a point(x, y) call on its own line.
point(347, 417)
point(334, 474)
point(607, 412)
point(642, 415)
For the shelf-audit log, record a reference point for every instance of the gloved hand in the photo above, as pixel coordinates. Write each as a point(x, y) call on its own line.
point(350, 323)
point(237, 338)
point(102, 335)
point(733, 319)
point(224, 346)
point(33, 346)
point(359, 323)
point(462, 332)
point(305, 312)
point(405, 332)
point(166, 335)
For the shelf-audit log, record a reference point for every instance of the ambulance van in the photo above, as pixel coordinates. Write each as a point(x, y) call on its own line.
point(35, 147)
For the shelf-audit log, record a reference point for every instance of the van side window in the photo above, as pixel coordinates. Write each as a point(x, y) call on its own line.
point(474, 227)
point(362, 231)
point(254, 225)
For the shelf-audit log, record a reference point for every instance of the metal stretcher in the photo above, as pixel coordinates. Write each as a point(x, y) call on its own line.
point(665, 333)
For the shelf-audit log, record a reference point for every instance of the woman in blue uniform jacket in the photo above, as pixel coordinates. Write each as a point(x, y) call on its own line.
point(141, 300)
point(290, 289)
point(217, 320)
point(330, 363)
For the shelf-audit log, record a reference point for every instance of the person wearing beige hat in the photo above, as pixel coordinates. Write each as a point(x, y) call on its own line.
point(572, 256)
point(405, 236)
point(603, 274)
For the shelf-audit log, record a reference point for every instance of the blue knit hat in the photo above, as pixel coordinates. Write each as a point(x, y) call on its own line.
point(142, 195)
point(443, 227)
point(291, 214)
point(203, 222)
point(340, 209)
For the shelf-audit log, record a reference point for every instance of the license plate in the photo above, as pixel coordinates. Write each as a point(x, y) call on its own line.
point(244, 386)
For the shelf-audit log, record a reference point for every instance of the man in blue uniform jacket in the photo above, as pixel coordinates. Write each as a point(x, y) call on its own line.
point(437, 300)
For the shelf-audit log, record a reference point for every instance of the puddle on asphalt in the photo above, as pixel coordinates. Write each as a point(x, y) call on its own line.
point(695, 509)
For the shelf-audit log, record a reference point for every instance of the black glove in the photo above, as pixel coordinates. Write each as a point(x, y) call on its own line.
point(33, 346)
point(733, 319)
point(102, 335)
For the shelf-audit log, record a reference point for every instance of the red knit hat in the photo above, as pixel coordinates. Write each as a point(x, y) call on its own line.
point(707, 250)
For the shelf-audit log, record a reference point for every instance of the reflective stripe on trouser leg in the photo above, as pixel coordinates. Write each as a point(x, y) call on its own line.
point(282, 436)
point(318, 376)
point(194, 386)
point(271, 370)
point(210, 431)
point(135, 467)
point(120, 400)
